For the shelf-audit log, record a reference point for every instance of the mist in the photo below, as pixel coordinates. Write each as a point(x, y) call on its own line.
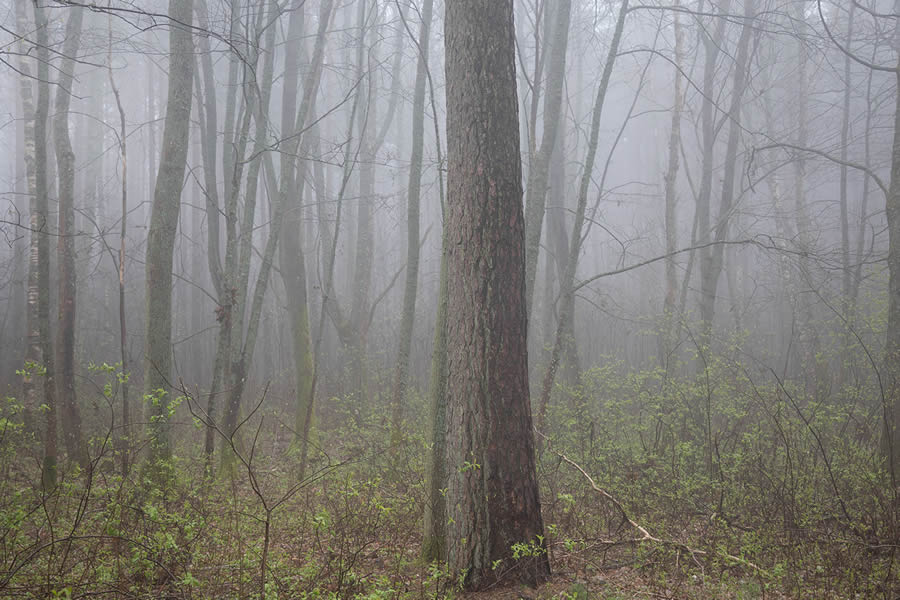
point(239, 242)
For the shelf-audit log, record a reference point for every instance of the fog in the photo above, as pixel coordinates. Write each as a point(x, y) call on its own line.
point(724, 167)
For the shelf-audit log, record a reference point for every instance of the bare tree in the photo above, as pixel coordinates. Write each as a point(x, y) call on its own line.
point(164, 223)
point(65, 158)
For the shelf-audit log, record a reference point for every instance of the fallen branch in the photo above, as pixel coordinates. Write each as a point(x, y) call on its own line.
point(646, 536)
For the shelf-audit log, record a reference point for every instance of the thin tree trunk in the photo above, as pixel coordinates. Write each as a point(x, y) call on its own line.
point(43, 210)
point(240, 243)
point(847, 306)
point(817, 378)
point(65, 158)
point(230, 339)
point(125, 435)
point(667, 342)
point(567, 282)
point(401, 371)
point(37, 223)
point(164, 224)
point(712, 48)
point(295, 280)
point(891, 437)
point(711, 267)
point(536, 189)
point(434, 544)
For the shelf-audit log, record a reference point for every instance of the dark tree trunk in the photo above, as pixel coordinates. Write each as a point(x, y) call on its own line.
point(492, 495)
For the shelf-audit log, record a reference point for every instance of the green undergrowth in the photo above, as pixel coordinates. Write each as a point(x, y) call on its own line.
point(724, 485)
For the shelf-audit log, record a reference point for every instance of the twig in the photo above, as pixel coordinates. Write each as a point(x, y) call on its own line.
point(646, 536)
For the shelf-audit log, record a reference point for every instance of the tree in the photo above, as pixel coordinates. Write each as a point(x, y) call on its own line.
point(666, 341)
point(567, 278)
point(711, 260)
point(292, 185)
point(539, 167)
point(65, 159)
point(401, 372)
point(164, 220)
point(39, 348)
point(891, 437)
point(492, 492)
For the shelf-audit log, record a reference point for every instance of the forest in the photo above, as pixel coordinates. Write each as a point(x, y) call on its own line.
point(407, 299)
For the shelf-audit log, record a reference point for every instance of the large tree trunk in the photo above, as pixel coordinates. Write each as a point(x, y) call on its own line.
point(65, 158)
point(492, 493)
point(354, 339)
point(291, 260)
point(164, 222)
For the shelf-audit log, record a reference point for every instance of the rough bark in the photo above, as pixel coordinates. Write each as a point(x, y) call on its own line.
point(164, 222)
point(492, 495)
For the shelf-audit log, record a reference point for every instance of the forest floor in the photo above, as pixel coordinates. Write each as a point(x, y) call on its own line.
point(789, 501)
